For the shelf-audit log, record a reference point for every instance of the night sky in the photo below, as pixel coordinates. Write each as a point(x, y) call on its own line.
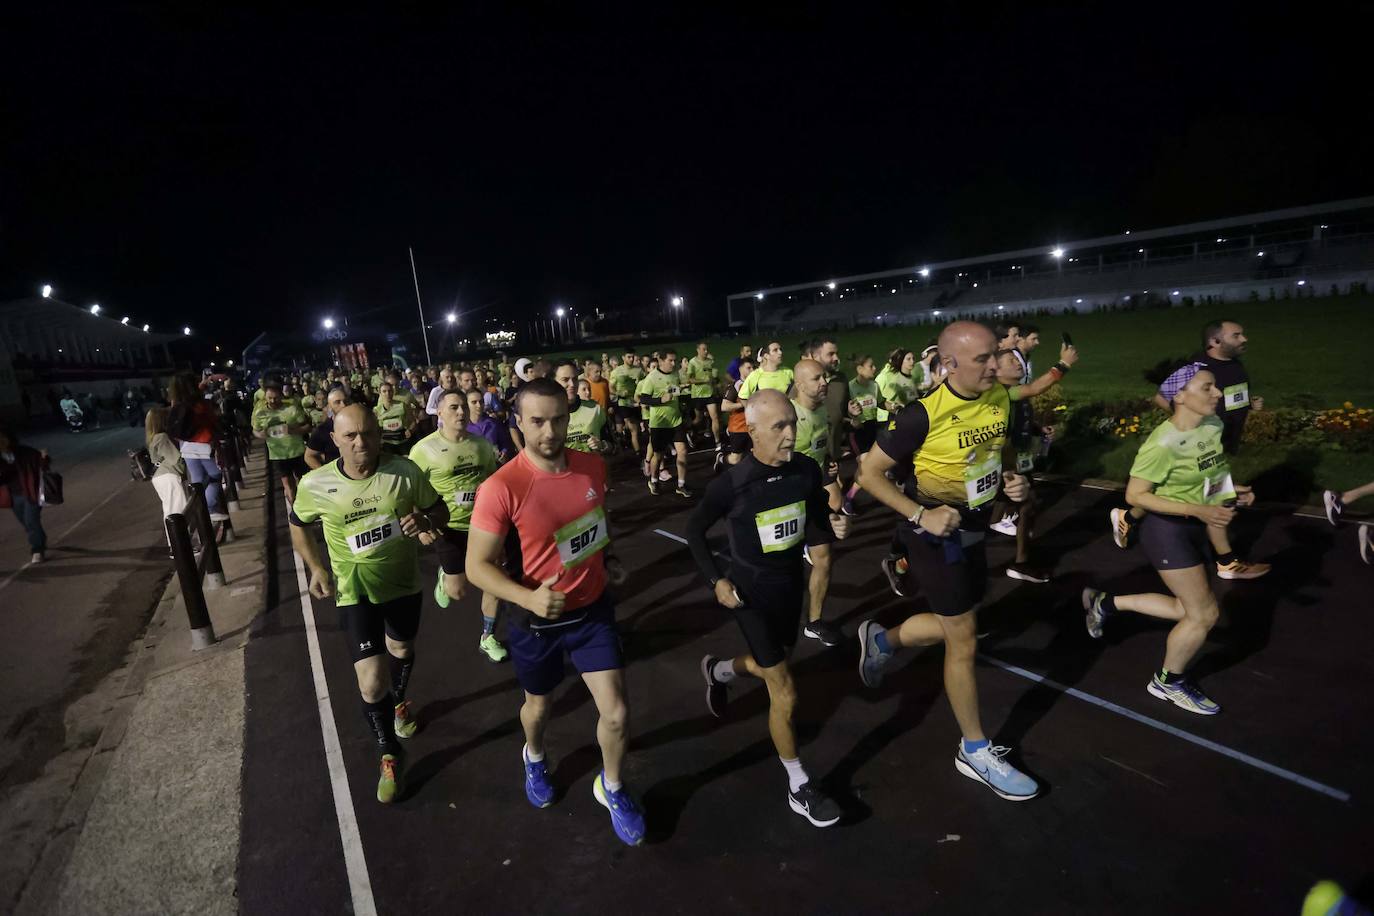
point(241, 172)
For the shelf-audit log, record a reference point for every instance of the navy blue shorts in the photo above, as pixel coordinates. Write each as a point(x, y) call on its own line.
point(591, 643)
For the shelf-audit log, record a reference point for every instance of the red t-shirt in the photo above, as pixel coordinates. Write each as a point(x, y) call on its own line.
point(560, 518)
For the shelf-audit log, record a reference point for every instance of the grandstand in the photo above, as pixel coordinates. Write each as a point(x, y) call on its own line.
point(1297, 252)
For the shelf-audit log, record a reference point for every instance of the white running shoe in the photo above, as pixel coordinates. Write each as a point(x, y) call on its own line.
point(1006, 526)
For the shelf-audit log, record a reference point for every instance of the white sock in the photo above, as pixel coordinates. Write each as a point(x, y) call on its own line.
point(724, 670)
point(681, 482)
point(796, 773)
point(608, 785)
point(531, 756)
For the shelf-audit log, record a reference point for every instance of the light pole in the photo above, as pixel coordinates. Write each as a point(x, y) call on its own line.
point(677, 314)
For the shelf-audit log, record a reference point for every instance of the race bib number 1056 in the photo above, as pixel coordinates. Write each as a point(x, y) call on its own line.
point(366, 540)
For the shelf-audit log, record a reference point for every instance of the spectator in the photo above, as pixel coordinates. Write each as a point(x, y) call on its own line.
point(195, 422)
point(169, 480)
point(21, 484)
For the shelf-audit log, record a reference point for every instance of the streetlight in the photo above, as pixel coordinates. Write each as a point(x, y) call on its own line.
point(95, 309)
point(1057, 253)
point(451, 318)
point(328, 324)
point(677, 302)
point(559, 311)
point(124, 320)
point(186, 331)
point(145, 328)
point(47, 291)
point(830, 285)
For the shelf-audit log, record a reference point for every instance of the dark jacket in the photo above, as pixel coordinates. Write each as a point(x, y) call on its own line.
point(24, 476)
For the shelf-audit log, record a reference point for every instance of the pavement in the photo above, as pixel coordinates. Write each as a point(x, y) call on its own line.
point(1145, 808)
point(122, 757)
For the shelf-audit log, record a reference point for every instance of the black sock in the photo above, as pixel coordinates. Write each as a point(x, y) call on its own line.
point(400, 675)
point(380, 716)
point(1170, 677)
point(1226, 559)
point(1108, 605)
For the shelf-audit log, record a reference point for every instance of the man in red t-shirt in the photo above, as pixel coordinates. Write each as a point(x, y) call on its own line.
point(554, 499)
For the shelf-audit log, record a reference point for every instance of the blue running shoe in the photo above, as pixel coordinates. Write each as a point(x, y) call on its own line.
point(872, 660)
point(989, 766)
point(1184, 694)
point(626, 817)
point(538, 789)
point(1092, 611)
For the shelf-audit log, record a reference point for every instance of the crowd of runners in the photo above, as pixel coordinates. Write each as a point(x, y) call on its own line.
point(502, 468)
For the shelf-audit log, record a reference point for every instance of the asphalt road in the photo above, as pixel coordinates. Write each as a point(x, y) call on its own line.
point(1146, 808)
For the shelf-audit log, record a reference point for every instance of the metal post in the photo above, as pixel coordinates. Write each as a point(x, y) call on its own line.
point(202, 631)
point(214, 572)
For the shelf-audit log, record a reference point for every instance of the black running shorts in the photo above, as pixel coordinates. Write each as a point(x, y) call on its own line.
point(1173, 543)
point(663, 437)
point(770, 617)
point(367, 623)
point(953, 581)
point(452, 548)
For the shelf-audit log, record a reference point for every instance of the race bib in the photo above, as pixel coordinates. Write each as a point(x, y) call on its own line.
point(582, 537)
point(1236, 396)
point(982, 480)
point(464, 500)
point(1024, 462)
point(866, 402)
point(819, 447)
point(781, 528)
point(1218, 489)
point(672, 390)
point(391, 425)
point(277, 432)
point(378, 530)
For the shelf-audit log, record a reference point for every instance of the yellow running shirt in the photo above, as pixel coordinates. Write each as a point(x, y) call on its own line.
point(954, 445)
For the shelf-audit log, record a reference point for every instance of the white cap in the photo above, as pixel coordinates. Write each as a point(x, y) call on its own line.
point(522, 369)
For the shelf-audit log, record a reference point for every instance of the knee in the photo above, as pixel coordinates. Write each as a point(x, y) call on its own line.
point(536, 707)
point(820, 561)
point(615, 716)
point(398, 649)
point(1204, 615)
point(372, 685)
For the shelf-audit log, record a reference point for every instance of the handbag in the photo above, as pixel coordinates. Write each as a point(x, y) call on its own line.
point(141, 465)
point(50, 490)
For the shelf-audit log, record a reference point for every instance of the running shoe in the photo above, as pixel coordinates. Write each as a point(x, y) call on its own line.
point(390, 783)
point(405, 724)
point(828, 634)
point(1240, 569)
point(1366, 552)
point(441, 597)
point(1121, 527)
point(690, 442)
point(538, 789)
point(653, 486)
point(719, 463)
point(1006, 526)
point(1092, 611)
point(645, 469)
point(626, 817)
point(814, 805)
point(872, 660)
point(683, 492)
point(717, 694)
point(218, 517)
point(1027, 573)
point(1334, 507)
point(1184, 694)
point(847, 507)
point(491, 647)
point(37, 557)
point(894, 578)
point(989, 766)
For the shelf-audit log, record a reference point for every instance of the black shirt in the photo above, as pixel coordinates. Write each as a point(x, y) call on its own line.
point(743, 496)
point(1234, 384)
point(322, 441)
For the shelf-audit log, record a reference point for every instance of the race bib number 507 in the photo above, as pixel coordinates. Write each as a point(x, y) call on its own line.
point(581, 538)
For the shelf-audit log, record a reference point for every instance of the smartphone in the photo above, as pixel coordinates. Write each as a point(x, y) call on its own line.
point(1068, 341)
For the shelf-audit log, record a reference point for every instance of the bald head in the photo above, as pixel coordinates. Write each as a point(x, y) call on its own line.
point(968, 351)
point(763, 406)
point(772, 426)
point(809, 378)
point(354, 417)
point(358, 438)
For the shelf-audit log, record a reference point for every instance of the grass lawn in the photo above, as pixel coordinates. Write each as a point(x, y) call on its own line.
point(1302, 353)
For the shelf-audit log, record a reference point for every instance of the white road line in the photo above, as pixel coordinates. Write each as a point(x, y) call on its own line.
point(63, 536)
point(359, 884)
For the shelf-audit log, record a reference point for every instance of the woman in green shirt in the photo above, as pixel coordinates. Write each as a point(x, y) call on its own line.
point(863, 391)
point(895, 385)
point(1181, 479)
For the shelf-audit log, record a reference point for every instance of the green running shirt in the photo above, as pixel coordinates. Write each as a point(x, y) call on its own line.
point(1186, 467)
point(702, 374)
point(280, 443)
point(369, 555)
point(866, 395)
point(778, 380)
point(656, 384)
point(455, 470)
point(585, 422)
point(813, 434)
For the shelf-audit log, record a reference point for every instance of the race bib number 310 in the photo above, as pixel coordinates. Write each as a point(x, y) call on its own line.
point(581, 538)
point(781, 528)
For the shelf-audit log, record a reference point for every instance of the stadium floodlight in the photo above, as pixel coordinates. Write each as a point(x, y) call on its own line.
point(560, 311)
point(145, 327)
point(451, 318)
point(677, 302)
point(925, 271)
point(1078, 302)
point(830, 285)
point(186, 332)
point(124, 320)
point(1261, 254)
point(1140, 251)
point(1057, 253)
point(1219, 241)
point(758, 295)
point(47, 291)
point(1302, 282)
point(95, 309)
point(936, 313)
point(328, 324)
point(1174, 293)
point(999, 308)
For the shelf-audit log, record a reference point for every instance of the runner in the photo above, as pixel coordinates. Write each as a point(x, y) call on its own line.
point(1335, 504)
point(1223, 341)
point(864, 392)
point(768, 373)
point(701, 374)
point(586, 419)
point(737, 442)
point(373, 506)
point(1182, 480)
point(813, 441)
point(600, 387)
point(448, 381)
point(395, 419)
point(895, 387)
point(658, 393)
point(320, 448)
point(455, 462)
point(952, 439)
point(838, 412)
point(283, 426)
point(554, 500)
point(772, 502)
point(624, 378)
point(745, 352)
